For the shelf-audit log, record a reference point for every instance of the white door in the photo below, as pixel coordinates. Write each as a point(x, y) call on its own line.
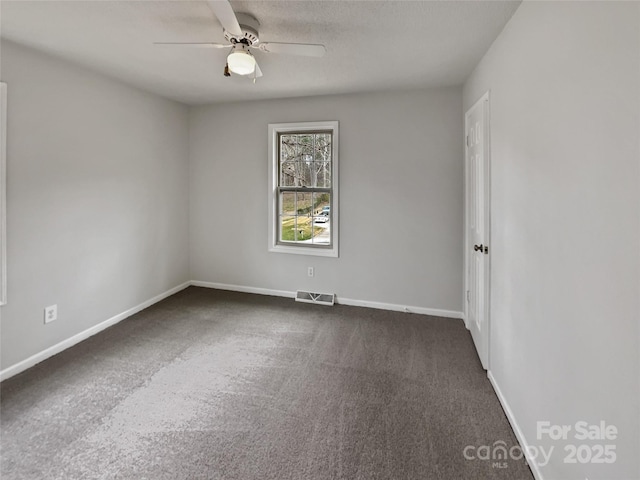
point(477, 226)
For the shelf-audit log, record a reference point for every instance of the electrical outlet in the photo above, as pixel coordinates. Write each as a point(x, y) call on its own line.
point(50, 313)
point(310, 271)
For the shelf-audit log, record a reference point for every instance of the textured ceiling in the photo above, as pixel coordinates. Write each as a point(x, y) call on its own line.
point(371, 45)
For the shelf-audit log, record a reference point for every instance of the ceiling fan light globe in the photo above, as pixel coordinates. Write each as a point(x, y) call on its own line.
point(241, 62)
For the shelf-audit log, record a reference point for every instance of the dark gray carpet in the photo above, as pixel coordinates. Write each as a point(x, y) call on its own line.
point(219, 385)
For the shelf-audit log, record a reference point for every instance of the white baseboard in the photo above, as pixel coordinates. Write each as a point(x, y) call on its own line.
point(343, 301)
point(70, 342)
point(242, 288)
point(516, 428)
point(436, 312)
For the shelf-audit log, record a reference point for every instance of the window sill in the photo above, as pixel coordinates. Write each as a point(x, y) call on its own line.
point(299, 250)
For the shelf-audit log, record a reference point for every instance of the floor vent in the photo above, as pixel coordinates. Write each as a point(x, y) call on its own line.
point(321, 298)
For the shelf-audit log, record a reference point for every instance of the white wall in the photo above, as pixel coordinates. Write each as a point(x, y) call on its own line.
point(97, 216)
point(401, 181)
point(565, 102)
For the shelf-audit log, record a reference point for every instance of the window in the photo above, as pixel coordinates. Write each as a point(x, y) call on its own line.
point(303, 188)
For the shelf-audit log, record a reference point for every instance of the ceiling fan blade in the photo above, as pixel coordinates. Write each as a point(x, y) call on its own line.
point(193, 44)
point(224, 12)
point(304, 49)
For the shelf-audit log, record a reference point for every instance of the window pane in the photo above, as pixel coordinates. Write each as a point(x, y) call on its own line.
point(322, 174)
point(323, 147)
point(304, 204)
point(296, 173)
point(305, 160)
point(304, 171)
point(305, 217)
point(288, 174)
point(322, 203)
point(298, 228)
point(287, 228)
point(287, 147)
point(322, 219)
point(306, 143)
point(288, 203)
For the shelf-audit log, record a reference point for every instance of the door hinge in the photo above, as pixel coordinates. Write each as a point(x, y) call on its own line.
point(467, 140)
point(468, 296)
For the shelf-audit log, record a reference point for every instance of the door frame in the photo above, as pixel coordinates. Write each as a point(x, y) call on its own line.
point(487, 227)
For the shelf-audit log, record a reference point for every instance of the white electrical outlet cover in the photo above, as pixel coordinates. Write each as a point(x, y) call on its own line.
point(50, 313)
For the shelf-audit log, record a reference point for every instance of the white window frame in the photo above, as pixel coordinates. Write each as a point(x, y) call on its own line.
point(302, 249)
point(3, 193)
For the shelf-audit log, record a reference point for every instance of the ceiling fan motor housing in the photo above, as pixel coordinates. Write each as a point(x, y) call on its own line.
point(249, 26)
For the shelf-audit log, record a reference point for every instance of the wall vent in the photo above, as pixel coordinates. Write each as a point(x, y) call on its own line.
point(321, 298)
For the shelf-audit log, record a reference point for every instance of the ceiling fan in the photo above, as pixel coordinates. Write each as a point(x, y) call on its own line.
point(241, 31)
